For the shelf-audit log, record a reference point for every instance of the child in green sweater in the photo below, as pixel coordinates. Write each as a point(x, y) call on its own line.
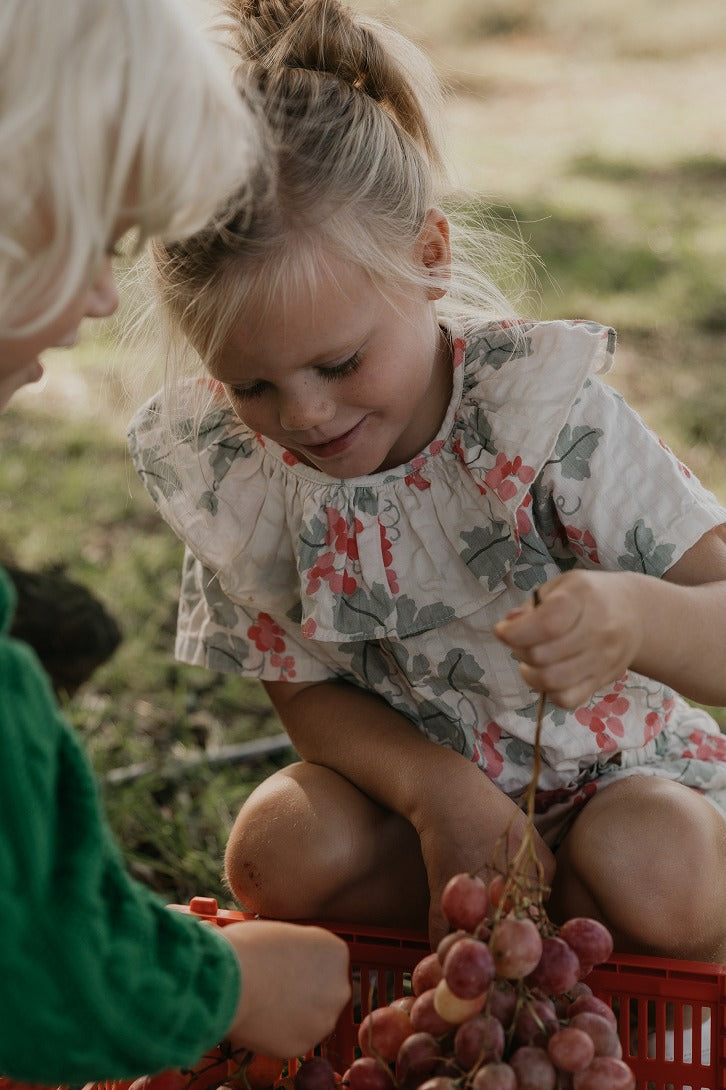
point(113, 114)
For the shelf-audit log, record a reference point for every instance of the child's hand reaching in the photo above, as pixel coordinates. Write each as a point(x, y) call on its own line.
point(584, 633)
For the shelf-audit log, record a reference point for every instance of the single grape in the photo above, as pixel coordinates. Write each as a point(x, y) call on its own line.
point(425, 1017)
point(571, 1049)
point(558, 968)
point(596, 1006)
point(533, 1068)
point(605, 1038)
point(315, 1073)
point(367, 1073)
point(440, 1082)
point(419, 1056)
point(590, 939)
point(404, 1003)
point(469, 968)
point(605, 1073)
point(448, 941)
point(534, 1023)
point(502, 1001)
point(426, 974)
point(464, 901)
point(453, 1009)
point(516, 947)
point(479, 1040)
point(495, 890)
point(494, 1076)
point(383, 1031)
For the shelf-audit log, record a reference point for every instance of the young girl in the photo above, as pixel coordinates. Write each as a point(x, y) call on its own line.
point(102, 128)
point(383, 470)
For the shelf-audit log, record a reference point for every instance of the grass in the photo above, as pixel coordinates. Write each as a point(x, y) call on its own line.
point(627, 219)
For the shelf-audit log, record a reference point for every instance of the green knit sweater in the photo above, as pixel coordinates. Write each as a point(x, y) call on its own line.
point(98, 979)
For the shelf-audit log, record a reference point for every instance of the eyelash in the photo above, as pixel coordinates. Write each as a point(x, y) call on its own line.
point(329, 374)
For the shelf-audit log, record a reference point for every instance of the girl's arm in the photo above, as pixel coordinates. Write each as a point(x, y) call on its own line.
point(458, 813)
point(592, 626)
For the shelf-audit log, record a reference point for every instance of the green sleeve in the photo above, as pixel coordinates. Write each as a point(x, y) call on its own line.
point(99, 979)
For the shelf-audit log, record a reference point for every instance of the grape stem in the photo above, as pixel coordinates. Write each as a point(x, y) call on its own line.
point(522, 893)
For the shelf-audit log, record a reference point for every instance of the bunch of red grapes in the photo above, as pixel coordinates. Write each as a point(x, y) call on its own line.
point(500, 1005)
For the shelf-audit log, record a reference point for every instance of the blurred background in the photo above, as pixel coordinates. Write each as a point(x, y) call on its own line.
point(594, 129)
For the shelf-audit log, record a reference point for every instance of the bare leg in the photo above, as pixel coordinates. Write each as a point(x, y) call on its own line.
point(648, 857)
point(308, 844)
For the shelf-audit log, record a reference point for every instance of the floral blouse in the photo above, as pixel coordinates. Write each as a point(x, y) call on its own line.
point(394, 581)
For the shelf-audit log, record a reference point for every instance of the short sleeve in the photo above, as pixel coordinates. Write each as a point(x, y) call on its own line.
point(215, 632)
point(614, 496)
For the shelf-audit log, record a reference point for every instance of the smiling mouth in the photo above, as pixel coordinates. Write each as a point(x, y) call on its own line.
point(335, 446)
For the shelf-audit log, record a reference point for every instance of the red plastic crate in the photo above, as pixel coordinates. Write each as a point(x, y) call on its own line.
point(671, 1014)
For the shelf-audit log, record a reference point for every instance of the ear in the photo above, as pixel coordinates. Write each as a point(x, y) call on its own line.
point(435, 249)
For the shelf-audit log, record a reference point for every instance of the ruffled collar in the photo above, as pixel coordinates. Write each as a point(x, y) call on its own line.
point(393, 553)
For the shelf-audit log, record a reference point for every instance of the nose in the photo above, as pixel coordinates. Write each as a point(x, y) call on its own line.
point(306, 407)
point(102, 298)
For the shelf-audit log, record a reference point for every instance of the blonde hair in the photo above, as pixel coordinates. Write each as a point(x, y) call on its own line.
point(108, 109)
point(352, 114)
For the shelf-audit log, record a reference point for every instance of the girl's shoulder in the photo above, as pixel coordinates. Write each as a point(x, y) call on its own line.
point(527, 355)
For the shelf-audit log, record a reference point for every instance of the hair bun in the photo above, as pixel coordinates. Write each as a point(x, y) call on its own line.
point(328, 38)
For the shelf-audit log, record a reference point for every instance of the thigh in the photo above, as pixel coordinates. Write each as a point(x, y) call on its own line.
point(309, 844)
point(648, 856)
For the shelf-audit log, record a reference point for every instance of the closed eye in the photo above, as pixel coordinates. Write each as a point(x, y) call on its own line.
point(248, 393)
point(341, 370)
point(330, 374)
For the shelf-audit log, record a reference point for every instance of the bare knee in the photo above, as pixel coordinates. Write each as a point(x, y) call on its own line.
point(282, 843)
point(650, 857)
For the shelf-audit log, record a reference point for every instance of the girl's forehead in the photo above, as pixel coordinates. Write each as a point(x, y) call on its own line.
point(323, 323)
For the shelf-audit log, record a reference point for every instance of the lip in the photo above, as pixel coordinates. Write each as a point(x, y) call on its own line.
point(334, 447)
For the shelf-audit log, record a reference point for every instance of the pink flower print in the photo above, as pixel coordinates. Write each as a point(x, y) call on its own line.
point(387, 554)
point(286, 666)
point(341, 535)
point(415, 479)
point(290, 459)
point(524, 523)
point(309, 628)
point(604, 720)
point(436, 446)
point(459, 350)
point(706, 747)
point(582, 543)
point(486, 754)
point(653, 726)
point(260, 438)
point(323, 571)
point(501, 477)
point(575, 796)
point(655, 721)
point(266, 635)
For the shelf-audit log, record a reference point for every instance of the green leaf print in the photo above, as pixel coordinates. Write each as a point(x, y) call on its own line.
point(155, 470)
point(361, 611)
point(370, 665)
point(575, 447)
point(412, 620)
point(437, 726)
point(643, 554)
point(227, 653)
point(490, 551)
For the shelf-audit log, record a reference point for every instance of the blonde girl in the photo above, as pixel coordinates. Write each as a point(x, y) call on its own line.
point(114, 115)
point(384, 469)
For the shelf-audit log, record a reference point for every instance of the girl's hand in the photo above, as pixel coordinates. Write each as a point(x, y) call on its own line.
point(584, 633)
point(471, 827)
